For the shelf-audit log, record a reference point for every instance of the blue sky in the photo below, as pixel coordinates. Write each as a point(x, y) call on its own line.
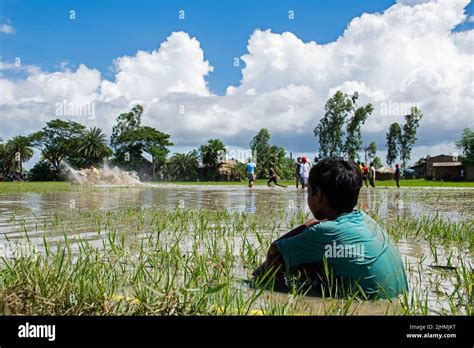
point(104, 30)
point(402, 53)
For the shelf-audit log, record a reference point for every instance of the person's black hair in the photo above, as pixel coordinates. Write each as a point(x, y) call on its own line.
point(339, 180)
point(371, 164)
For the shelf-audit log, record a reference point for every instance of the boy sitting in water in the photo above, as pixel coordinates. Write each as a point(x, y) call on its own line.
point(354, 248)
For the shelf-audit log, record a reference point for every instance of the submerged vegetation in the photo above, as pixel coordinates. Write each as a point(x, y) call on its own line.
point(196, 262)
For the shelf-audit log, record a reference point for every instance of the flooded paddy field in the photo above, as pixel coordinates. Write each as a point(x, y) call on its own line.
point(178, 249)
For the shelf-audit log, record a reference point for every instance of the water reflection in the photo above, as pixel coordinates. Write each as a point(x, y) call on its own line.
point(385, 203)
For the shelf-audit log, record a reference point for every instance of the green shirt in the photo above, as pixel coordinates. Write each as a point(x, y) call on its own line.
point(356, 249)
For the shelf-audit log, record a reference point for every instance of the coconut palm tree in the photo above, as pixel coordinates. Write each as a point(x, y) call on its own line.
point(19, 150)
point(184, 166)
point(212, 154)
point(5, 160)
point(93, 146)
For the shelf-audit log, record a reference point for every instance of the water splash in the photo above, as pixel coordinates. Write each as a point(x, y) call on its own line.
point(103, 176)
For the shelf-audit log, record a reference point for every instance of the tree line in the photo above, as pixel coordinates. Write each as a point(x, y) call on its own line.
point(339, 131)
point(68, 142)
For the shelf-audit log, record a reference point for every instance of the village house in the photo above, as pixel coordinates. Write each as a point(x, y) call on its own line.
point(441, 167)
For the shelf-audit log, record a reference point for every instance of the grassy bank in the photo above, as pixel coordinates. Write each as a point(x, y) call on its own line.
point(46, 187)
point(291, 183)
point(194, 262)
point(425, 183)
point(36, 187)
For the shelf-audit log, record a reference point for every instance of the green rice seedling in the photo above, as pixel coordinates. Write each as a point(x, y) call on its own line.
point(193, 262)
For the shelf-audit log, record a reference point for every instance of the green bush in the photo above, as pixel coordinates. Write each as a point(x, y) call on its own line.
point(43, 171)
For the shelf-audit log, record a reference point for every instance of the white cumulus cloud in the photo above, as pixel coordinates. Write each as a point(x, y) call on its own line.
point(407, 54)
point(177, 66)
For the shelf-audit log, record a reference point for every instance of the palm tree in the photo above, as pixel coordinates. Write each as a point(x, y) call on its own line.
point(5, 160)
point(212, 154)
point(184, 166)
point(19, 150)
point(93, 146)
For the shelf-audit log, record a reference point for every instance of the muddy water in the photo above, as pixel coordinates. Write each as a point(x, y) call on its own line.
point(454, 204)
point(386, 203)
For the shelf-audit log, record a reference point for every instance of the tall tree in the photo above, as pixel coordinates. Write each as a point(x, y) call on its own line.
point(125, 122)
point(158, 155)
point(260, 146)
point(370, 151)
point(408, 138)
point(126, 155)
point(7, 160)
point(184, 166)
point(329, 129)
point(466, 145)
point(354, 134)
point(93, 147)
point(212, 154)
point(265, 154)
point(59, 141)
point(341, 110)
point(393, 140)
point(19, 148)
point(130, 140)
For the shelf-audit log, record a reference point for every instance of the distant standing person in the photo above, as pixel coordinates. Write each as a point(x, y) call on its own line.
point(305, 168)
point(365, 173)
point(299, 168)
point(397, 174)
point(372, 174)
point(273, 177)
point(251, 172)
